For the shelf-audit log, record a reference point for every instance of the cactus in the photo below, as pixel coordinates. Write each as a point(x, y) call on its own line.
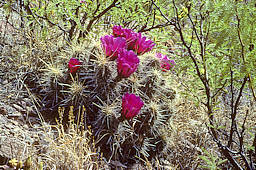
point(100, 80)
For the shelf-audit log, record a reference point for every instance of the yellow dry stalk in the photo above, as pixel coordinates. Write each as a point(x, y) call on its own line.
point(89, 130)
point(41, 166)
point(13, 162)
point(28, 163)
point(82, 118)
point(61, 113)
point(71, 117)
point(19, 165)
point(93, 144)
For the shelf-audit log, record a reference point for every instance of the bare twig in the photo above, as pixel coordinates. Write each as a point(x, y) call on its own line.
point(88, 28)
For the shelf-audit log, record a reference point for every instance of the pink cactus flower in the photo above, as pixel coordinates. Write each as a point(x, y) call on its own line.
point(165, 62)
point(128, 34)
point(118, 31)
point(134, 40)
point(142, 45)
point(127, 63)
point(112, 46)
point(131, 105)
point(74, 65)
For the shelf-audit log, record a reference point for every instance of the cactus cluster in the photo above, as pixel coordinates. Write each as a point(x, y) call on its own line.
point(124, 88)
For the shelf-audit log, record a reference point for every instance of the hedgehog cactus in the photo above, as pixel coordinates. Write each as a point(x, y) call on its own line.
point(129, 87)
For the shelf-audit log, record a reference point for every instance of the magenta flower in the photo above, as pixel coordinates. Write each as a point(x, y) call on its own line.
point(128, 34)
point(118, 31)
point(142, 45)
point(73, 65)
point(131, 105)
point(127, 63)
point(134, 40)
point(165, 62)
point(112, 46)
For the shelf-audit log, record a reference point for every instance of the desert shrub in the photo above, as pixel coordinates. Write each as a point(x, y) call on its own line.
point(218, 49)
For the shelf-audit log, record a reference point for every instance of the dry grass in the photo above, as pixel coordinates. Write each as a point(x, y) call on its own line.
point(56, 147)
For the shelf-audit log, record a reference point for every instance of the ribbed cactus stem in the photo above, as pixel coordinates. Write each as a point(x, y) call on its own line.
point(114, 83)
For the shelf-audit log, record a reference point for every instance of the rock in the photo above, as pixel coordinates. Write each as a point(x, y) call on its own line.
point(14, 137)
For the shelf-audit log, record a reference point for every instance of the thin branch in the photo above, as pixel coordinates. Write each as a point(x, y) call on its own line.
point(29, 11)
point(243, 129)
point(73, 24)
point(240, 95)
point(254, 144)
point(166, 18)
point(113, 4)
point(227, 153)
point(251, 87)
point(241, 141)
point(232, 109)
point(50, 22)
point(97, 8)
point(219, 89)
point(155, 27)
